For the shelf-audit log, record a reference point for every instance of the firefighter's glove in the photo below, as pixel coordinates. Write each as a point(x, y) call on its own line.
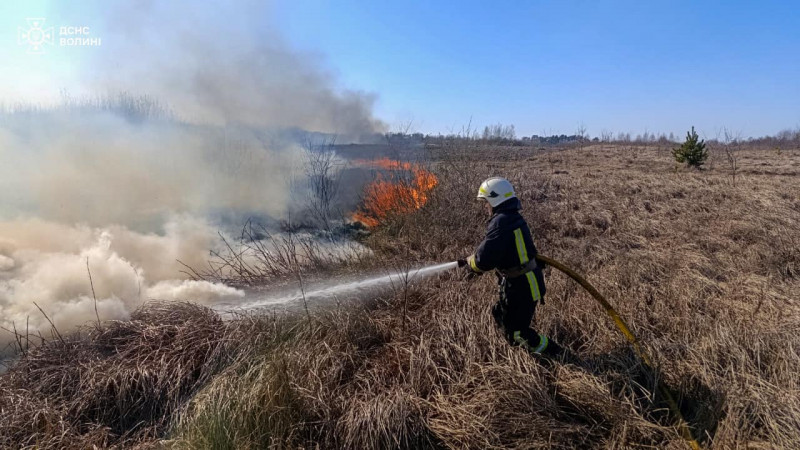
point(466, 269)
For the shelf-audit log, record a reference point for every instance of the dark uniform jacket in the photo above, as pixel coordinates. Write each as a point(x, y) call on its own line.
point(508, 244)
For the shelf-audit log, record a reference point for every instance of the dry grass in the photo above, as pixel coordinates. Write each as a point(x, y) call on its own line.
point(115, 384)
point(706, 274)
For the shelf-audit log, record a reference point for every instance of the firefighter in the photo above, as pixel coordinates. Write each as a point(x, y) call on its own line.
point(508, 250)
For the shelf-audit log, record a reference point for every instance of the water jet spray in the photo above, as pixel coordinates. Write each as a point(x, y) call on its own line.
point(351, 288)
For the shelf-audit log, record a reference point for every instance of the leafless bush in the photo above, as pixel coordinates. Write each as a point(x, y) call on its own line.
point(732, 147)
point(324, 172)
point(606, 137)
point(260, 255)
point(582, 136)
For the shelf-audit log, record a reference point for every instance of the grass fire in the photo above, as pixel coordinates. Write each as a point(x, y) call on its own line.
point(399, 188)
point(506, 225)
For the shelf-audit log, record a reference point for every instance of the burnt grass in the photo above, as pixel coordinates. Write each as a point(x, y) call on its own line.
point(706, 273)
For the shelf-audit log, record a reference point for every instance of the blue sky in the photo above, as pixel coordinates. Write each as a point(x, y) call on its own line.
point(545, 67)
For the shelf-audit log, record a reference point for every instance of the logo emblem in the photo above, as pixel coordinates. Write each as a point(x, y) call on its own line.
point(35, 36)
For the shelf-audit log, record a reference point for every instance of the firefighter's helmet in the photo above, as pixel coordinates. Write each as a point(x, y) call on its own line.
point(496, 190)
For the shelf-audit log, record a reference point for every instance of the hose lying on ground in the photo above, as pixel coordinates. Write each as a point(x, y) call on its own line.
point(683, 427)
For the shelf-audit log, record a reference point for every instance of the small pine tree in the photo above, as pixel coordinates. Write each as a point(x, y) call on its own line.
point(692, 152)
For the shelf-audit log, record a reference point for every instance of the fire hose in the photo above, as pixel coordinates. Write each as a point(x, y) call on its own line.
point(682, 426)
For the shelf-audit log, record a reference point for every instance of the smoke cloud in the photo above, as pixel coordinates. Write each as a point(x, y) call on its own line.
point(98, 167)
point(46, 263)
point(224, 62)
point(129, 184)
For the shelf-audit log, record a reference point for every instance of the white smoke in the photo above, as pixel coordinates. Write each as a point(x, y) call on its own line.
point(45, 264)
point(119, 183)
point(222, 62)
point(99, 168)
point(6, 263)
point(197, 291)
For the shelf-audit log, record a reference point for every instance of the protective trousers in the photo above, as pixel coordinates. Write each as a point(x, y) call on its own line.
point(514, 312)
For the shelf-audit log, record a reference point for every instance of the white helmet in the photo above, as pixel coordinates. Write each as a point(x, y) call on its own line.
point(496, 190)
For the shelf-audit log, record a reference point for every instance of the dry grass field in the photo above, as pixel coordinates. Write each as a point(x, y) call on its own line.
point(706, 272)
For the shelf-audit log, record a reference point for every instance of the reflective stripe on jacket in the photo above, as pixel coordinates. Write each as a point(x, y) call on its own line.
point(508, 245)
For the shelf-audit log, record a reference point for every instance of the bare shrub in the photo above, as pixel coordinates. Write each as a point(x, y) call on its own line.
point(324, 171)
point(733, 144)
point(261, 255)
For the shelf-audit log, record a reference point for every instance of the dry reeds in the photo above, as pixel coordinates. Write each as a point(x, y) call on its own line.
point(705, 273)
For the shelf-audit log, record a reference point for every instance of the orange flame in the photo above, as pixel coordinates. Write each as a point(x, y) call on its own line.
point(402, 190)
